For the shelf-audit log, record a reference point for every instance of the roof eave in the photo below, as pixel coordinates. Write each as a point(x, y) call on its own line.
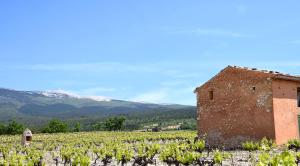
point(287, 78)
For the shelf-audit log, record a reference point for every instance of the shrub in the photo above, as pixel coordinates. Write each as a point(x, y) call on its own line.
point(77, 127)
point(266, 144)
point(14, 128)
point(188, 126)
point(199, 145)
point(250, 146)
point(219, 157)
point(55, 126)
point(124, 155)
point(264, 159)
point(293, 144)
point(114, 123)
point(284, 158)
point(188, 157)
point(169, 154)
point(2, 129)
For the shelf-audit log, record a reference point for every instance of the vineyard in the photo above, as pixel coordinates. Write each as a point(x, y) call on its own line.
point(139, 148)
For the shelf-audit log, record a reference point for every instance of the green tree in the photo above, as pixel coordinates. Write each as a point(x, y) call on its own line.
point(14, 128)
point(131, 126)
point(188, 126)
point(55, 126)
point(98, 126)
point(114, 123)
point(77, 127)
point(2, 129)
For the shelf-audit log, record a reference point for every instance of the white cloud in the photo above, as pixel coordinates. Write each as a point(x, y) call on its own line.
point(179, 74)
point(167, 95)
point(91, 67)
point(96, 90)
point(60, 91)
point(167, 69)
point(57, 93)
point(171, 83)
point(156, 96)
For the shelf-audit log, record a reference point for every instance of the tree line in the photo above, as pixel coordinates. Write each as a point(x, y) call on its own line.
point(110, 124)
point(58, 126)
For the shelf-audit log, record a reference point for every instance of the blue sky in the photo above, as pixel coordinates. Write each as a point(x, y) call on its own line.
point(155, 51)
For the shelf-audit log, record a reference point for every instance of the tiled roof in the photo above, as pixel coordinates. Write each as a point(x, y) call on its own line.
point(272, 74)
point(275, 74)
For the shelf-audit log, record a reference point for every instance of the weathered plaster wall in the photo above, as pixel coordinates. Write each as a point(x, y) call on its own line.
point(237, 112)
point(285, 110)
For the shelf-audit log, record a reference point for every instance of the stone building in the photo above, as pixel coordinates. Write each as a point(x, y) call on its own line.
point(240, 104)
point(26, 137)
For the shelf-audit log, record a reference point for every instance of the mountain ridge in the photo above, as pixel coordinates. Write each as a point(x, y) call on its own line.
point(38, 107)
point(62, 94)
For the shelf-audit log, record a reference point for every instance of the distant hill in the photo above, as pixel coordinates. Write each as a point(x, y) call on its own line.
point(37, 107)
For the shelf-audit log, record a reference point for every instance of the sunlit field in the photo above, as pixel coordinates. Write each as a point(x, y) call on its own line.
point(86, 148)
point(139, 148)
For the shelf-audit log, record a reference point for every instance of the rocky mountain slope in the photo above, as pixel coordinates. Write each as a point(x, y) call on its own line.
point(37, 106)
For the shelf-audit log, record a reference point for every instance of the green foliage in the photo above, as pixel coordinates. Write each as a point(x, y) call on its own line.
point(34, 157)
point(294, 144)
point(105, 153)
point(16, 159)
point(55, 126)
point(81, 160)
point(199, 145)
point(188, 126)
point(172, 148)
point(188, 157)
point(83, 148)
point(98, 126)
point(66, 154)
point(170, 153)
point(285, 158)
point(114, 123)
point(4, 151)
point(77, 127)
point(219, 156)
point(134, 125)
point(111, 124)
point(264, 159)
point(250, 146)
point(124, 154)
point(2, 129)
point(145, 153)
point(266, 144)
point(14, 128)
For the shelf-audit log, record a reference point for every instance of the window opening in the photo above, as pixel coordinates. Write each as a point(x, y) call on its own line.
point(28, 138)
point(211, 95)
point(298, 97)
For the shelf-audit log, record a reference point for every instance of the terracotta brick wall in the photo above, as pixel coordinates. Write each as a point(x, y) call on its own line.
point(285, 110)
point(241, 107)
